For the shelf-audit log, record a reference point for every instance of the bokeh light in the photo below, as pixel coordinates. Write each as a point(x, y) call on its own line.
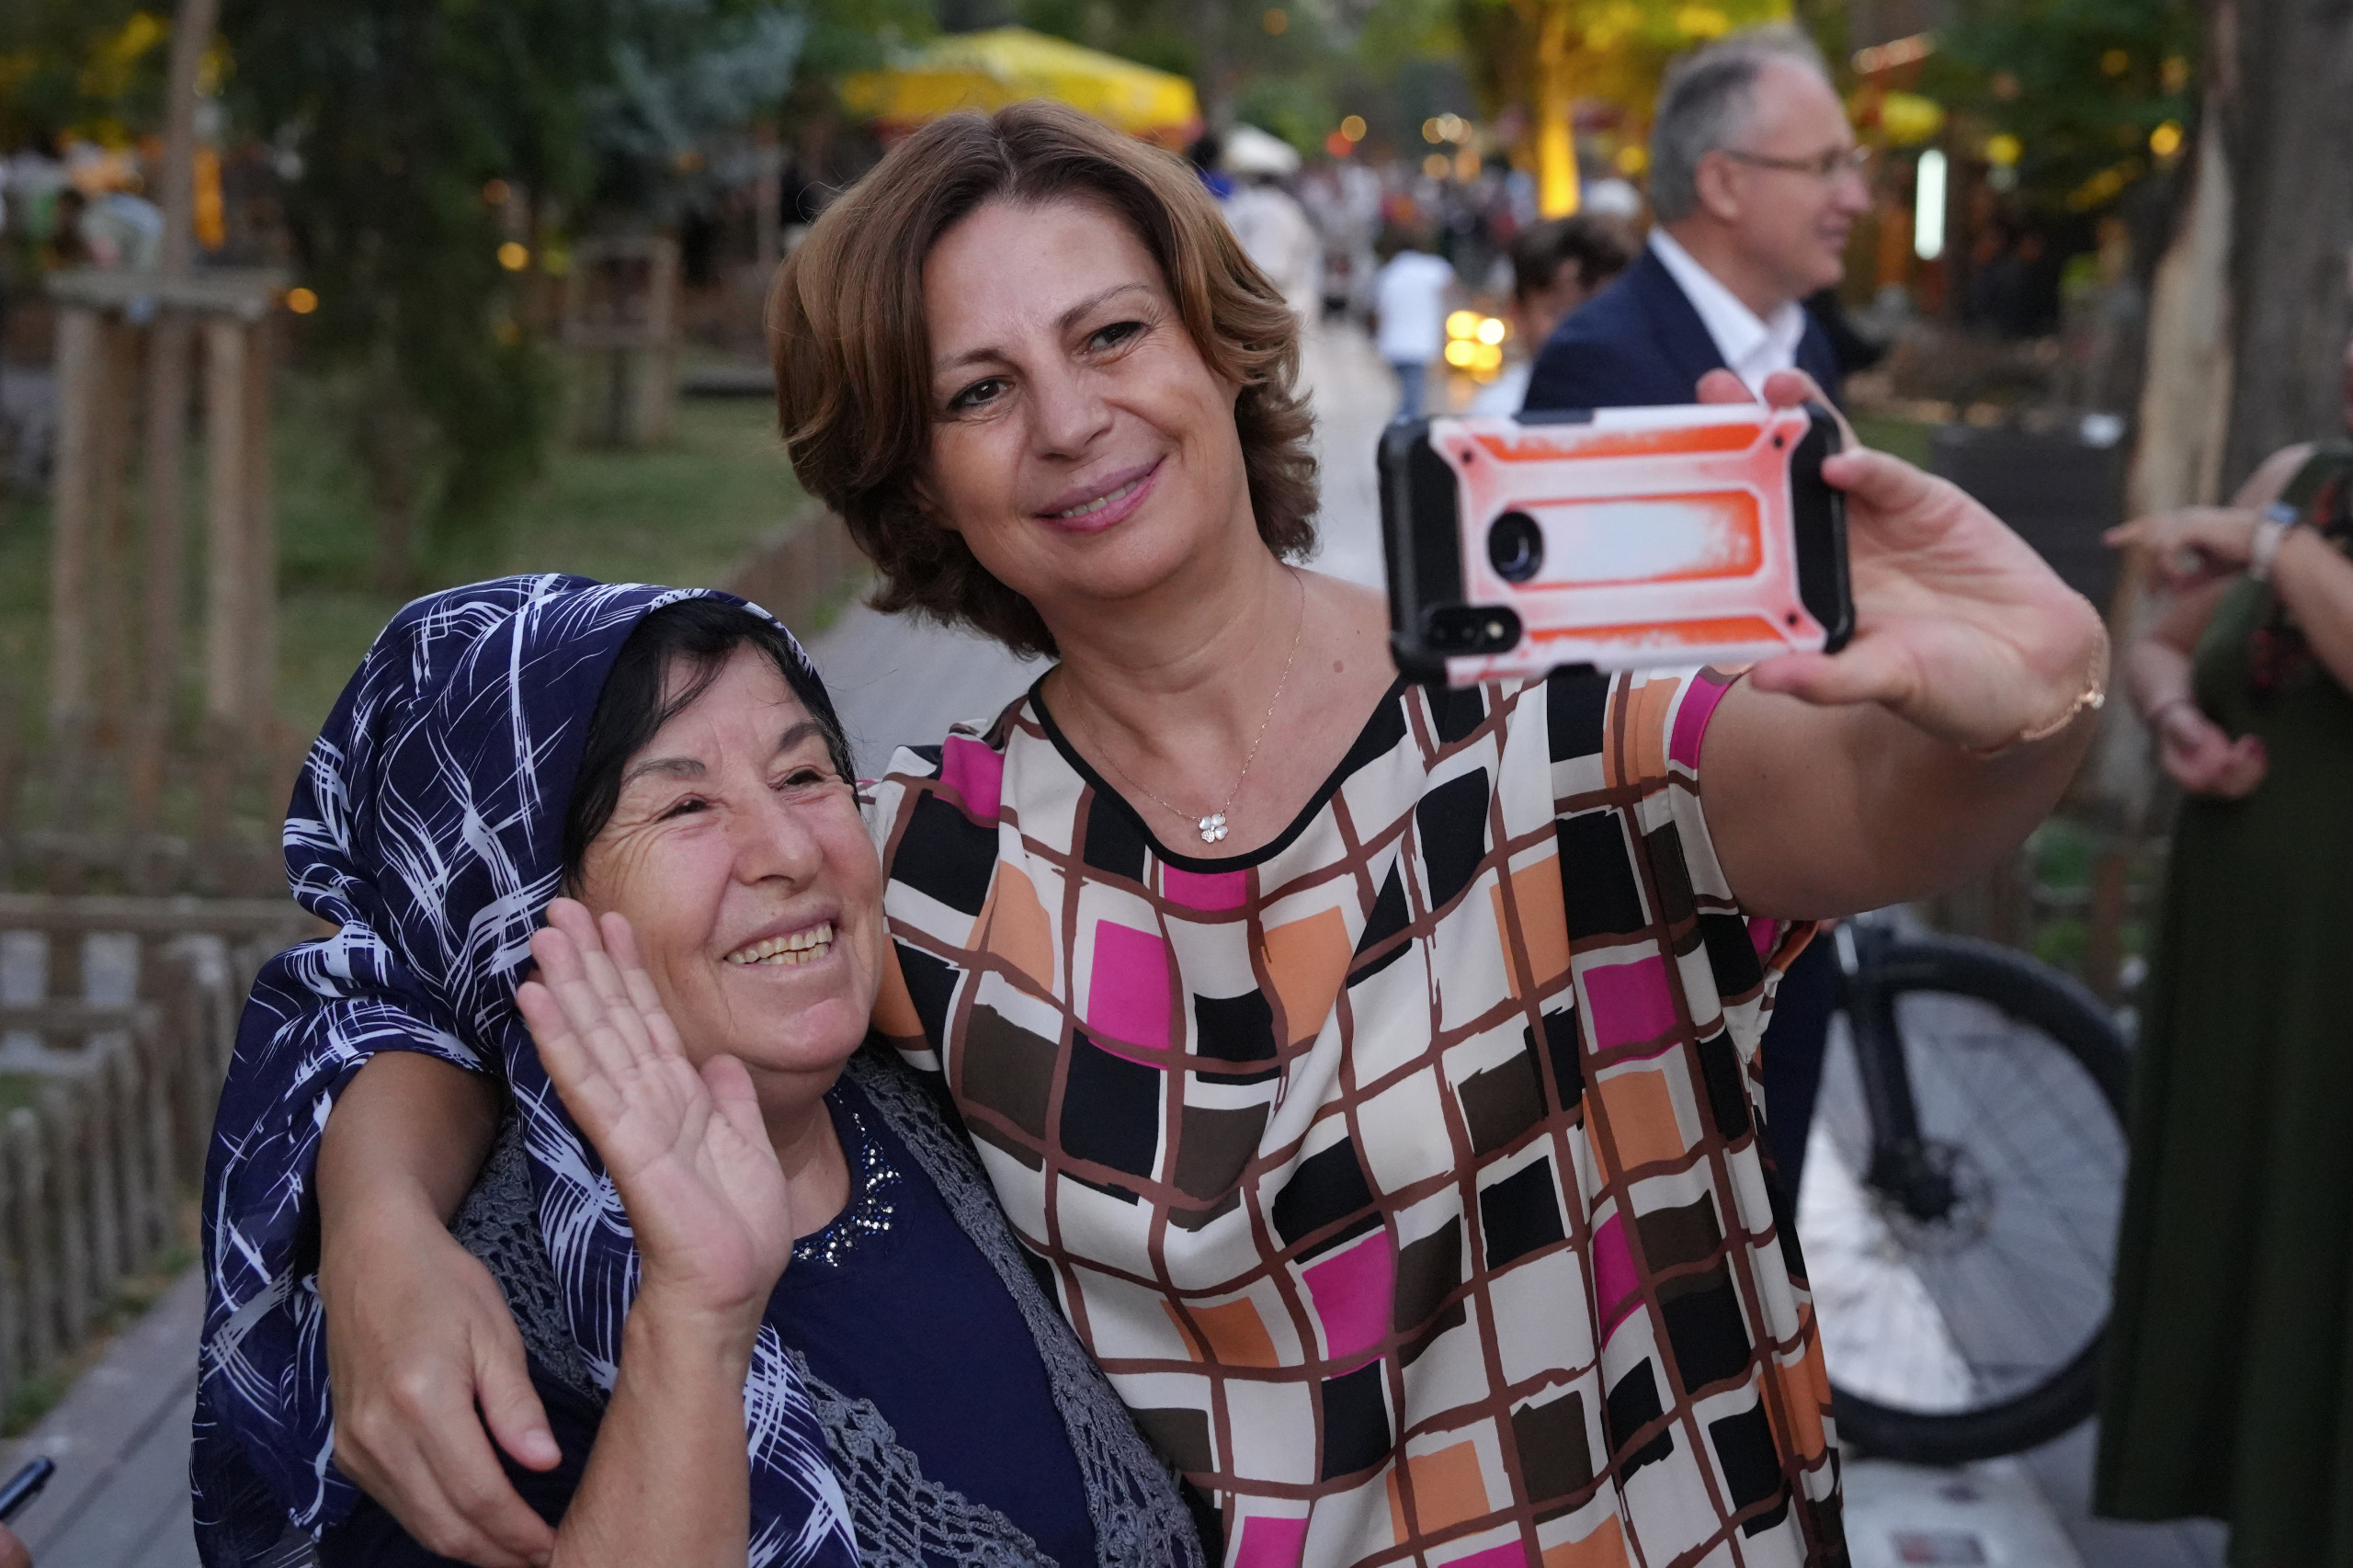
point(302, 301)
point(513, 255)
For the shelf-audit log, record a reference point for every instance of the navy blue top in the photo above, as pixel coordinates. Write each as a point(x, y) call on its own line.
point(893, 1303)
point(1639, 343)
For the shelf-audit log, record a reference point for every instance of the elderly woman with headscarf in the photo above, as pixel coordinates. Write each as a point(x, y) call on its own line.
point(670, 761)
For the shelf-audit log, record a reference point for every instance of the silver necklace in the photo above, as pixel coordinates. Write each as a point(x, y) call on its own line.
point(1213, 826)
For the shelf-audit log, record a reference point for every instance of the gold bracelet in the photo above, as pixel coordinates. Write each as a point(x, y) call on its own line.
point(2094, 696)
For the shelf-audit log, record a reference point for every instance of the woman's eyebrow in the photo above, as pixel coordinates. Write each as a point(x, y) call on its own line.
point(794, 735)
point(675, 766)
point(1062, 322)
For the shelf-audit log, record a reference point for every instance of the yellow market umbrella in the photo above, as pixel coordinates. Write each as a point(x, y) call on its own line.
point(986, 71)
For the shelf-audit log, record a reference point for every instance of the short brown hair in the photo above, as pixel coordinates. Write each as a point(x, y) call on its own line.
point(853, 360)
point(1597, 246)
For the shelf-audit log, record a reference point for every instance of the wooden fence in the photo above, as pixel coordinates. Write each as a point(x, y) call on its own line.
point(96, 1169)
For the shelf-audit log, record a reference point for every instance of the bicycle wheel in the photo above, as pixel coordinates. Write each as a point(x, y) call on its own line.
point(1975, 1330)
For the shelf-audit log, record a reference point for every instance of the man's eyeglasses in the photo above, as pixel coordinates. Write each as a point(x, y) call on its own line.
point(1826, 168)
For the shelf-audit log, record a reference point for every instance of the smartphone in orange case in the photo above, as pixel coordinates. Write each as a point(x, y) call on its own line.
point(1621, 539)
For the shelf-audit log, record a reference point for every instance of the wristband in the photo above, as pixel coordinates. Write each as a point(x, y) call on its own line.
point(2271, 532)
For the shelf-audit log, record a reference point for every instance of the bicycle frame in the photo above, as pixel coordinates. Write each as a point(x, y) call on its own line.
point(1902, 1165)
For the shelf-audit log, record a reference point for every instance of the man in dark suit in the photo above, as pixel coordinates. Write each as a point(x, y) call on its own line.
point(1755, 182)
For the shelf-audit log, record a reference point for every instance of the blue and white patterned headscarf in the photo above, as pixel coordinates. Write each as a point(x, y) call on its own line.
point(427, 827)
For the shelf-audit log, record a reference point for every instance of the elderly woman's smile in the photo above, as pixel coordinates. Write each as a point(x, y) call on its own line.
point(735, 850)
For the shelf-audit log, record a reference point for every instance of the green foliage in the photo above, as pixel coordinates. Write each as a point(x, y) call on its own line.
point(401, 113)
point(2081, 84)
point(433, 135)
point(92, 68)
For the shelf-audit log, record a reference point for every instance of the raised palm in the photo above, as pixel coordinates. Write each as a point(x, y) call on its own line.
point(686, 1146)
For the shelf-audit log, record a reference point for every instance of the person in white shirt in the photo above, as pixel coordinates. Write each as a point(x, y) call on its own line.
point(1268, 221)
point(1756, 182)
point(1409, 302)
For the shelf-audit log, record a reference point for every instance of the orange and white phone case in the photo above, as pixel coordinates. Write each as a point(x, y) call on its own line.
point(1619, 539)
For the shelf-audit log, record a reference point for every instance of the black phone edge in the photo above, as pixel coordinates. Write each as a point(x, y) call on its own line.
point(1421, 528)
point(25, 1485)
point(1818, 522)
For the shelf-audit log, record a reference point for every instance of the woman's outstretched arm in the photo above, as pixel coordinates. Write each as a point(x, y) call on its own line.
point(1937, 739)
point(417, 1332)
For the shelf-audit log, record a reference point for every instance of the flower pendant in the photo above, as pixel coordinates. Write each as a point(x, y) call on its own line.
point(1213, 827)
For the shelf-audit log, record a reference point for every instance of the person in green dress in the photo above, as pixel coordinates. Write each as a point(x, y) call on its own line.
point(2229, 1386)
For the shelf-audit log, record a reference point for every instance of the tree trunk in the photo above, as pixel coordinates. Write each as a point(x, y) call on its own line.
point(2281, 75)
point(2185, 410)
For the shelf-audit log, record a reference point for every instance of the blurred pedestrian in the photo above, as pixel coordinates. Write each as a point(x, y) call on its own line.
point(1754, 180)
point(2227, 1393)
point(1272, 226)
point(1555, 268)
point(1409, 300)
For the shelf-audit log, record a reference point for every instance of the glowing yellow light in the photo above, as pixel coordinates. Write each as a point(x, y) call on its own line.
point(1462, 323)
point(2115, 63)
point(1352, 127)
point(1487, 356)
point(1491, 330)
point(1275, 21)
point(1430, 131)
point(2004, 150)
point(302, 301)
point(1701, 21)
point(1461, 354)
point(513, 255)
point(1437, 166)
point(1632, 159)
point(1909, 118)
point(2165, 140)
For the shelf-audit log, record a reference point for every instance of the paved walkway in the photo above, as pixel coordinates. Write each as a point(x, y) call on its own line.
point(120, 1437)
point(120, 1499)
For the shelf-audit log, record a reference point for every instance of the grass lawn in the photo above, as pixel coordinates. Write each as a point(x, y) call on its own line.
point(679, 514)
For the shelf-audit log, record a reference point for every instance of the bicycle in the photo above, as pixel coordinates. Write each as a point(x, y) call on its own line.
point(1961, 1195)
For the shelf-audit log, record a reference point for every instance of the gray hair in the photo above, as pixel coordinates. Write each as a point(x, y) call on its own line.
point(1707, 100)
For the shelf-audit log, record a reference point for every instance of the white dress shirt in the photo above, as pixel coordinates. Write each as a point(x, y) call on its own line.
point(1753, 348)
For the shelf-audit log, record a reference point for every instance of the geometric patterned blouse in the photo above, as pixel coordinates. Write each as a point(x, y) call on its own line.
point(1403, 1175)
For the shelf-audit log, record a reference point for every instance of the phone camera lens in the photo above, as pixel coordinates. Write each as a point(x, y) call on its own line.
point(1516, 547)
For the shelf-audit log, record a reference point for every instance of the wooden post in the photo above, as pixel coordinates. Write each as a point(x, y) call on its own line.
point(260, 700)
point(168, 370)
point(229, 569)
point(81, 386)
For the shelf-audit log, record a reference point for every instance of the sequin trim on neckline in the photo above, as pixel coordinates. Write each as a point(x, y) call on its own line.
point(874, 1182)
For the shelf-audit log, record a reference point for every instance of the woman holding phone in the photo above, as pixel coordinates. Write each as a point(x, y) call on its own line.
point(1371, 1070)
